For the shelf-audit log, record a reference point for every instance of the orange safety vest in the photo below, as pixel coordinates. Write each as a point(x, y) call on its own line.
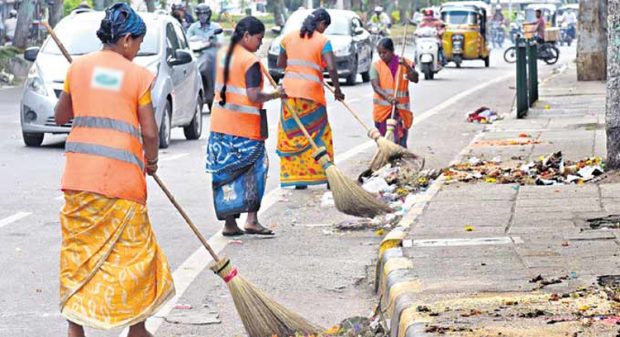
point(382, 109)
point(303, 76)
point(104, 153)
point(239, 116)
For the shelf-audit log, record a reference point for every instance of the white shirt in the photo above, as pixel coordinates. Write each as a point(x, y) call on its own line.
point(9, 25)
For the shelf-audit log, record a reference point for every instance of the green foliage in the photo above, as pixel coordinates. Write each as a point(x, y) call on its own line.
point(395, 16)
point(70, 5)
point(6, 54)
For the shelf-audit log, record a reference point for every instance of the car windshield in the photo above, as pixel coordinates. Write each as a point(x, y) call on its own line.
point(459, 17)
point(340, 24)
point(84, 40)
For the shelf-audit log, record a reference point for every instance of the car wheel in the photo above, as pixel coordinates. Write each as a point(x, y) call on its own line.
point(487, 61)
point(33, 139)
point(194, 129)
point(366, 76)
point(427, 71)
point(166, 127)
point(353, 76)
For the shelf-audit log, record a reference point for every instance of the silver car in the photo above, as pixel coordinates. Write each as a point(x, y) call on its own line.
point(177, 92)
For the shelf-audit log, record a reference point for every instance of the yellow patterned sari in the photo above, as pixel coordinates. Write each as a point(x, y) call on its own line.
point(112, 272)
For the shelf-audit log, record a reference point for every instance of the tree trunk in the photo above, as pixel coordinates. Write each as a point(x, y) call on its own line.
point(56, 11)
point(24, 23)
point(612, 117)
point(277, 6)
point(150, 6)
point(592, 41)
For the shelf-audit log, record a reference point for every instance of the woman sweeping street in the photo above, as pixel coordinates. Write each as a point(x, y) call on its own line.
point(304, 53)
point(382, 78)
point(112, 272)
point(236, 151)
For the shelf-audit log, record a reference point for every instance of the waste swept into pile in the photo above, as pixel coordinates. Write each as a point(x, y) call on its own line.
point(547, 170)
point(483, 115)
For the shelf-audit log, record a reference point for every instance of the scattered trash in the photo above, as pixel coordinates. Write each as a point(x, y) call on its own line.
point(547, 170)
point(236, 242)
point(521, 141)
point(469, 228)
point(183, 307)
point(380, 232)
point(375, 185)
point(542, 282)
point(483, 115)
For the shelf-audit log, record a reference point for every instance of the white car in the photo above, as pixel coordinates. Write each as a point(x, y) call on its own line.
point(177, 92)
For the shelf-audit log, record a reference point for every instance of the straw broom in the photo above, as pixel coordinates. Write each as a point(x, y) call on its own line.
point(387, 150)
point(391, 122)
point(261, 316)
point(349, 197)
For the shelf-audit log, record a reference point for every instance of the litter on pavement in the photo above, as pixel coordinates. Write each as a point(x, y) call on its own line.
point(483, 115)
point(546, 170)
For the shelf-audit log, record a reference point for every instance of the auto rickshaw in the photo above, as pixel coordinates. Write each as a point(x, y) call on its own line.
point(465, 34)
point(549, 12)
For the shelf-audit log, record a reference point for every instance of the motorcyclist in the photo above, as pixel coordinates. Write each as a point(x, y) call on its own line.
point(541, 25)
point(179, 12)
point(431, 21)
point(203, 28)
point(10, 24)
point(569, 20)
point(498, 21)
point(498, 16)
point(381, 20)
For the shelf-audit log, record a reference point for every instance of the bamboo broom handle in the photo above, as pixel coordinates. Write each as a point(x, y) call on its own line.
point(62, 48)
point(400, 67)
point(186, 217)
point(355, 114)
point(293, 113)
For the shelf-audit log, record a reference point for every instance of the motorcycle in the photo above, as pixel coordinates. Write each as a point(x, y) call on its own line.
point(376, 33)
point(546, 51)
point(567, 34)
point(427, 51)
point(205, 50)
point(497, 34)
point(515, 30)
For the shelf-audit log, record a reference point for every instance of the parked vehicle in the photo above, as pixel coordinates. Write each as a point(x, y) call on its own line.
point(465, 37)
point(427, 51)
point(547, 52)
point(205, 50)
point(350, 42)
point(177, 92)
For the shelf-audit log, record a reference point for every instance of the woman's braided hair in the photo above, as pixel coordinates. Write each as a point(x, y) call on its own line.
point(309, 25)
point(250, 25)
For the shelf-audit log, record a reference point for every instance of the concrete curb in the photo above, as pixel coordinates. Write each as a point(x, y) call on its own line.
point(395, 281)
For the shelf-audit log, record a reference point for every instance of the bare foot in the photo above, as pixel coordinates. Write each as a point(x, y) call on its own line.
point(75, 330)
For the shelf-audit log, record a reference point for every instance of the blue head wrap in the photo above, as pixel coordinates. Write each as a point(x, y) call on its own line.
point(119, 21)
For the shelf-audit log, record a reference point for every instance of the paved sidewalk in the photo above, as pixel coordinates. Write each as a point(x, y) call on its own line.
point(437, 278)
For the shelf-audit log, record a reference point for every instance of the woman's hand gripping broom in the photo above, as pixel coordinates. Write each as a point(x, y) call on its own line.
point(349, 197)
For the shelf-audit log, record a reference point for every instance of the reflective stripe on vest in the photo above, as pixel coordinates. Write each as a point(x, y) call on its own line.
point(382, 102)
point(104, 151)
point(240, 108)
point(306, 77)
point(390, 92)
point(106, 123)
point(231, 89)
point(303, 63)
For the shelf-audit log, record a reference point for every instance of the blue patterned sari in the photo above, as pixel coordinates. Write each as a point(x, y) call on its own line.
point(239, 167)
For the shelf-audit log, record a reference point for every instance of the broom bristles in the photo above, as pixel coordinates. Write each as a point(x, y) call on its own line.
point(352, 199)
point(261, 316)
point(387, 151)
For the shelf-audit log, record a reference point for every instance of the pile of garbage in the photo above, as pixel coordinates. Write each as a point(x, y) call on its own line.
point(547, 170)
point(483, 115)
point(396, 185)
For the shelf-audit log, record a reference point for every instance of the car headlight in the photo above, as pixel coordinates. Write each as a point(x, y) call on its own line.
point(274, 49)
point(35, 83)
point(342, 51)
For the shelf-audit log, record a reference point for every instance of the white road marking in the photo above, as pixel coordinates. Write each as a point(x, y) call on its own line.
point(173, 156)
point(353, 100)
point(193, 266)
point(15, 217)
point(504, 240)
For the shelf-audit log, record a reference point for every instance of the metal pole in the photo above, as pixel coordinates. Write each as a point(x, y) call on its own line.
point(532, 62)
point(522, 102)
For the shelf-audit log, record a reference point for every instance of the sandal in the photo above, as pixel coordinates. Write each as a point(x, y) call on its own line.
point(235, 233)
point(259, 231)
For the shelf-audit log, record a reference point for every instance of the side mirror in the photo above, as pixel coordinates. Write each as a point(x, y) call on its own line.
point(276, 29)
point(180, 57)
point(218, 31)
point(31, 54)
point(358, 31)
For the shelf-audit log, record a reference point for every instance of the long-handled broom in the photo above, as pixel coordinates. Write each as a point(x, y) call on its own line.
point(391, 122)
point(386, 149)
point(261, 316)
point(349, 197)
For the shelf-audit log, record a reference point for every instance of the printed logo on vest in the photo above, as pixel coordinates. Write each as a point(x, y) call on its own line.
point(107, 79)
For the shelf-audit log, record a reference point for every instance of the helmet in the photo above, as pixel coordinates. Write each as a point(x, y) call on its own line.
point(203, 9)
point(378, 9)
point(12, 13)
point(178, 5)
point(498, 7)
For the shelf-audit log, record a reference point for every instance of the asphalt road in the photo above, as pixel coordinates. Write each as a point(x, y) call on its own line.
point(321, 274)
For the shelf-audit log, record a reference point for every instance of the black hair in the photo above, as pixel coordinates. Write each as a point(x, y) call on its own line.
point(250, 25)
point(119, 21)
point(309, 25)
point(386, 43)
